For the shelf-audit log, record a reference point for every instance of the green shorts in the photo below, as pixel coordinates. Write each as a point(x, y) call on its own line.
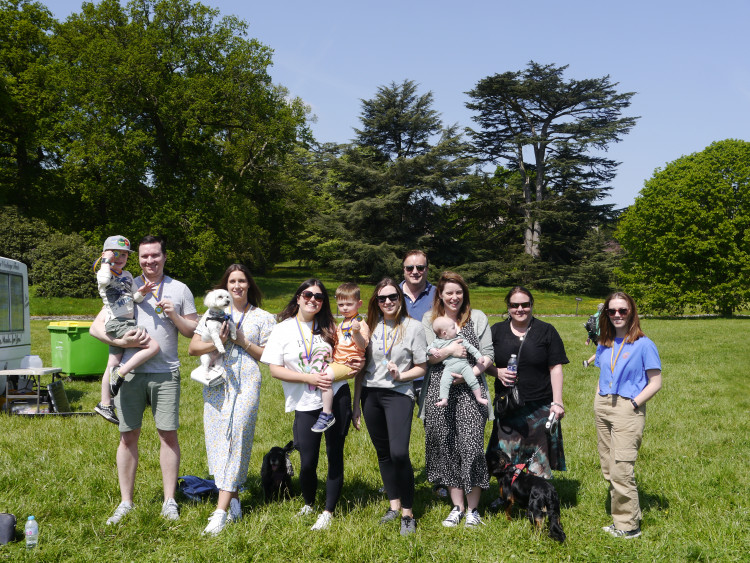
point(160, 390)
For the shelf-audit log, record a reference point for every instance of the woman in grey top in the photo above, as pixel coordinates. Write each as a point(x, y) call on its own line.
point(396, 355)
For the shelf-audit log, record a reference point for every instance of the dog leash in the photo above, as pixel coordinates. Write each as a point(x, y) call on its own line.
point(523, 467)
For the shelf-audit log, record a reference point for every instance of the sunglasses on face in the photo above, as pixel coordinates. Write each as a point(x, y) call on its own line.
point(419, 267)
point(393, 298)
point(524, 305)
point(307, 295)
point(613, 312)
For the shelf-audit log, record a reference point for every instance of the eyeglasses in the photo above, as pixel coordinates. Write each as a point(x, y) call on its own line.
point(419, 267)
point(613, 312)
point(524, 305)
point(393, 298)
point(307, 295)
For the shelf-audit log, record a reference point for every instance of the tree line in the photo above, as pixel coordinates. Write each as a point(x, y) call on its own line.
point(161, 117)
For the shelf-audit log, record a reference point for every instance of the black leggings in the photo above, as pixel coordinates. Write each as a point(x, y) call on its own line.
point(308, 444)
point(388, 416)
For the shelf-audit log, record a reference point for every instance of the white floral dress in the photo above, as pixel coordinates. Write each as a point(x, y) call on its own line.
point(230, 410)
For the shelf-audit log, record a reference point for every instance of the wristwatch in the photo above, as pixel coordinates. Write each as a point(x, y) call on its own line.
point(635, 405)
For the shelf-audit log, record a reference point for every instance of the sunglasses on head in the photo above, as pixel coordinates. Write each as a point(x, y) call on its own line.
point(307, 295)
point(419, 267)
point(393, 297)
point(613, 312)
point(524, 305)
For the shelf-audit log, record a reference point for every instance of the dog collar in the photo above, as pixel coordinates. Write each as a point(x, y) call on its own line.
point(220, 318)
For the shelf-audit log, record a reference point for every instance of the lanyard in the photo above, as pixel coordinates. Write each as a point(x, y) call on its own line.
point(347, 330)
point(613, 359)
point(387, 349)
point(242, 318)
point(308, 349)
point(157, 294)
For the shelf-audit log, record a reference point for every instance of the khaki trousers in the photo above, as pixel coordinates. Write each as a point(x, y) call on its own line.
point(619, 430)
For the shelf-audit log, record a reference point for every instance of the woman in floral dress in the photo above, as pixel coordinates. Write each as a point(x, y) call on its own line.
point(230, 410)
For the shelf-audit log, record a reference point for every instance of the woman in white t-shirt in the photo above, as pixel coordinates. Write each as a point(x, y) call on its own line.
point(297, 353)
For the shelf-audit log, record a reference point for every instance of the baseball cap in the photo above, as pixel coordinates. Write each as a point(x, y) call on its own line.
point(116, 242)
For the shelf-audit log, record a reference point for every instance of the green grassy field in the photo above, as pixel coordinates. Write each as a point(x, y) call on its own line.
point(279, 284)
point(692, 474)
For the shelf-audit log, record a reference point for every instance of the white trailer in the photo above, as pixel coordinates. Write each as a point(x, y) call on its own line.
point(15, 331)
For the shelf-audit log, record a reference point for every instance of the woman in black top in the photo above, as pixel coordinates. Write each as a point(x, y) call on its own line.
point(521, 433)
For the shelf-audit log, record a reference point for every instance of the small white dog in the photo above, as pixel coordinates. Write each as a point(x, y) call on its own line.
point(211, 371)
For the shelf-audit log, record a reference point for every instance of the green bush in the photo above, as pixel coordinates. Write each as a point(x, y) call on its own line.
point(19, 235)
point(61, 267)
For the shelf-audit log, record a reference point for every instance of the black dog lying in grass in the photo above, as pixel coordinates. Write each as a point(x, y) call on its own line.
point(534, 493)
point(276, 472)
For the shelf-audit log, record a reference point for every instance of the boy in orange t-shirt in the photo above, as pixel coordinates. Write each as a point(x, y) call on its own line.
point(352, 337)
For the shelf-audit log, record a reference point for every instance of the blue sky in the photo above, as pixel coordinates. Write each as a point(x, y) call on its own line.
point(688, 61)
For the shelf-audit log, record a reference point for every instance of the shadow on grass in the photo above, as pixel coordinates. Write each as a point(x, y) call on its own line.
point(567, 490)
point(647, 500)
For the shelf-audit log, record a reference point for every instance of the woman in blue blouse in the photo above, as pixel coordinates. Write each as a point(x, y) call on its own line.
point(630, 374)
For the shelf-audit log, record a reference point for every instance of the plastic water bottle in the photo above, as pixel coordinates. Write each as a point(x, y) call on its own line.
point(513, 364)
point(32, 532)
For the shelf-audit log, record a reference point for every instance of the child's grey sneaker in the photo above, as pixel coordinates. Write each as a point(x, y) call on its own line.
point(453, 518)
point(473, 519)
point(169, 509)
point(408, 525)
point(122, 509)
point(235, 511)
point(108, 412)
point(324, 422)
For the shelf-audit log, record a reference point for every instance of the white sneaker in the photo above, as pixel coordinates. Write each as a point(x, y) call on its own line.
point(120, 512)
point(169, 509)
point(323, 521)
point(473, 519)
point(453, 518)
point(235, 511)
point(216, 522)
point(305, 510)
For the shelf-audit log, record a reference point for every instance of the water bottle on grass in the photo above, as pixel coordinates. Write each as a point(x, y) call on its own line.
point(32, 532)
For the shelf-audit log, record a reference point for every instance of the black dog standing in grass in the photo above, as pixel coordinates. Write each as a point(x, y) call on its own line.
point(276, 472)
point(535, 493)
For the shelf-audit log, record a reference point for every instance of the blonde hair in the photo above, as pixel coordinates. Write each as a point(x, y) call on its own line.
point(348, 290)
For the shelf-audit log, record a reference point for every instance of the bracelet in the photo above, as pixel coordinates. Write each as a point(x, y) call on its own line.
point(554, 404)
point(635, 405)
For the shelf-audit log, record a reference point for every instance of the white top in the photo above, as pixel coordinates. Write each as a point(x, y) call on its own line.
point(286, 347)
